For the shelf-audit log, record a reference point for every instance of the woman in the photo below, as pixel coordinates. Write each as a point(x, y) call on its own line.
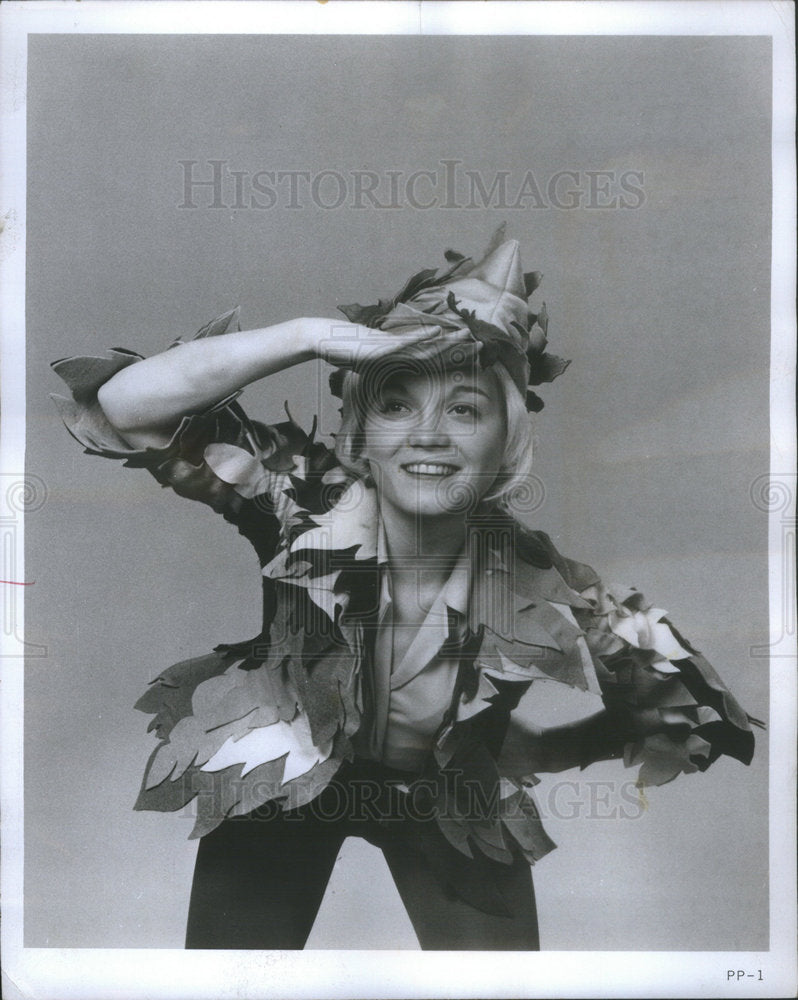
point(408, 617)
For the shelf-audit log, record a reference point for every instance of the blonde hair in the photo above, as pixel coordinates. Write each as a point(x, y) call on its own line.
point(515, 468)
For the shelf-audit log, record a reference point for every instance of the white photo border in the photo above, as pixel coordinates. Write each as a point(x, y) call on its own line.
point(58, 974)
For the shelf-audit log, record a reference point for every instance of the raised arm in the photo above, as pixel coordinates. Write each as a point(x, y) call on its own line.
point(145, 401)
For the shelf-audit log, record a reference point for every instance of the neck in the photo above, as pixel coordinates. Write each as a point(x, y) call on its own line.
point(409, 536)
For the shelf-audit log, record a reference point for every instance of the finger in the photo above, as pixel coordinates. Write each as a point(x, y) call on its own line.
point(422, 332)
point(449, 352)
point(390, 343)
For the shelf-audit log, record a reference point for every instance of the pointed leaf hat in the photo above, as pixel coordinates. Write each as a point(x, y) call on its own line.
point(490, 299)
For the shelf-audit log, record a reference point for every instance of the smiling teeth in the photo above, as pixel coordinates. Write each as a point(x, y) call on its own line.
point(431, 469)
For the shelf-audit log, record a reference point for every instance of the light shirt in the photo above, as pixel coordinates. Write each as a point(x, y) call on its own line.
point(411, 696)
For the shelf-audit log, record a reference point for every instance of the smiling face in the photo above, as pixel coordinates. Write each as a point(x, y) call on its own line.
point(434, 441)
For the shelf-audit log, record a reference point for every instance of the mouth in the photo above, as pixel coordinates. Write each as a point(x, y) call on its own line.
point(430, 470)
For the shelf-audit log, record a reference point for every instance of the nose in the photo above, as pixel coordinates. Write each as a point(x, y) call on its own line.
point(429, 437)
point(432, 429)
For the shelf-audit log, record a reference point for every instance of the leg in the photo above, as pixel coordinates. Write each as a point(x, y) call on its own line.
point(259, 881)
point(444, 922)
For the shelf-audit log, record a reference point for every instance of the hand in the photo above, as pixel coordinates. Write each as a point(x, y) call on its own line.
point(348, 345)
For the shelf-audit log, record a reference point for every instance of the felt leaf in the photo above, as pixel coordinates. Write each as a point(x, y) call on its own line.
point(238, 468)
point(578, 575)
point(632, 753)
point(532, 280)
point(533, 547)
point(664, 758)
point(279, 695)
point(303, 789)
point(351, 524)
point(538, 584)
point(663, 665)
point(169, 696)
point(336, 382)
point(558, 620)
point(280, 460)
point(166, 796)
point(644, 630)
point(507, 788)
point(488, 832)
point(261, 785)
point(677, 716)
point(291, 740)
point(446, 745)
point(703, 682)
point(261, 695)
point(196, 738)
point(405, 315)
point(602, 642)
point(511, 615)
point(89, 426)
point(521, 818)
point(456, 832)
point(416, 283)
point(565, 666)
point(545, 368)
point(725, 738)
point(631, 597)
point(706, 714)
point(189, 743)
point(535, 339)
point(316, 493)
point(533, 402)
point(84, 375)
point(527, 672)
point(320, 693)
point(500, 854)
point(226, 323)
point(469, 707)
point(589, 670)
point(167, 759)
point(473, 794)
point(320, 591)
point(523, 335)
point(658, 692)
point(218, 795)
point(516, 661)
point(543, 320)
point(208, 696)
point(487, 333)
point(364, 315)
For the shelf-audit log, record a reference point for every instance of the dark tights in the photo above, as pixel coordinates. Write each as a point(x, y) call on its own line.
point(260, 879)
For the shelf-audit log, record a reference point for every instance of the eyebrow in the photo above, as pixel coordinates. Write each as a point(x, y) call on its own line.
point(471, 389)
point(401, 387)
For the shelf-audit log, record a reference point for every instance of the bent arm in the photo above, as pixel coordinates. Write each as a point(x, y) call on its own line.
point(598, 737)
point(145, 401)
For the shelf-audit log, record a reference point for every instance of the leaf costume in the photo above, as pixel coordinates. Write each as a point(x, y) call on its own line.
point(271, 722)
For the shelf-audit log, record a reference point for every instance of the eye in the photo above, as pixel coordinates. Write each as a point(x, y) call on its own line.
point(465, 410)
point(394, 407)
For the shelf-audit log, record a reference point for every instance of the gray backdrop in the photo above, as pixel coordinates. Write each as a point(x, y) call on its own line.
point(648, 446)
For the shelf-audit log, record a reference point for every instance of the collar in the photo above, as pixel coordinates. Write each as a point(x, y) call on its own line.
point(525, 611)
